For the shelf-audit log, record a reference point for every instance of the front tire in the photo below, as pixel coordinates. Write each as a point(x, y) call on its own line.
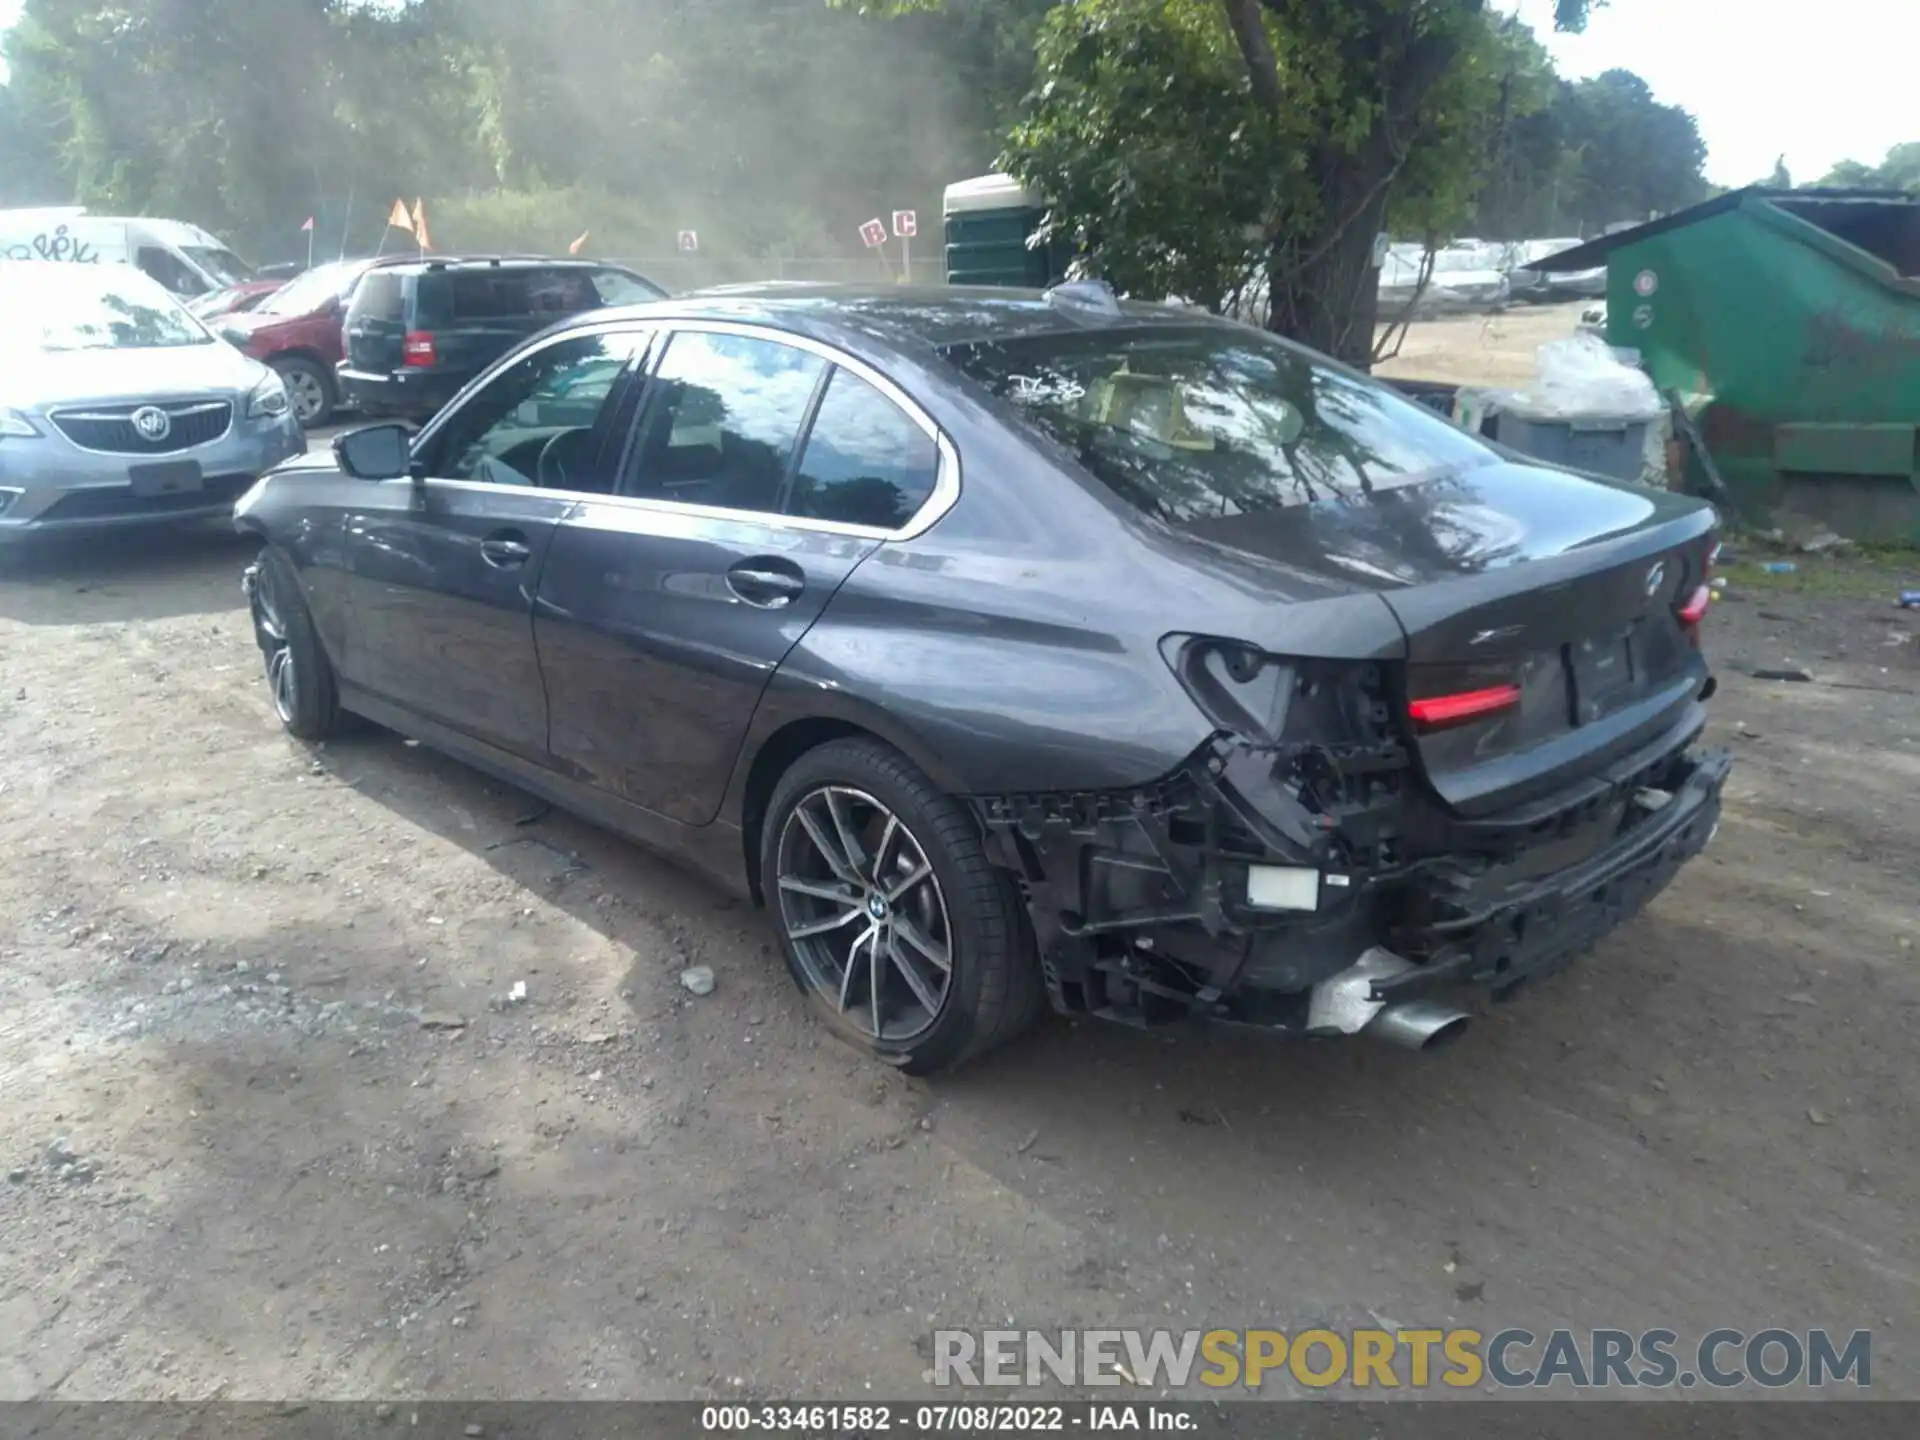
point(904, 936)
point(300, 679)
point(309, 391)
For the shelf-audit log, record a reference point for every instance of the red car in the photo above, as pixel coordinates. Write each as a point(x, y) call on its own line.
point(234, 300)
point(297, 331)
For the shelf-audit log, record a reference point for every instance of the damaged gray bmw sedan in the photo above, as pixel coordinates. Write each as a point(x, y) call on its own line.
point(1019, 649)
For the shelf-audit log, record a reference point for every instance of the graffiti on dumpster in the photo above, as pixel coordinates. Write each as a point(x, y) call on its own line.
point(58, 245)
point(1836, 340)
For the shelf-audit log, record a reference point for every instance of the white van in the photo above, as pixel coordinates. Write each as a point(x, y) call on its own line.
point(182, 257)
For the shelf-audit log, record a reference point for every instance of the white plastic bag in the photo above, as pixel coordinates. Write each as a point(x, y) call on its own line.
point(1580, 378)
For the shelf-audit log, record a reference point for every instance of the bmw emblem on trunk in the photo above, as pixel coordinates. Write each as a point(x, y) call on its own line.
point(152, 423)
point(1654, 577)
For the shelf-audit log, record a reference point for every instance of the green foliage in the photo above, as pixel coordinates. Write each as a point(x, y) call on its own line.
point(1899, 171)
point(784, 123)
point(1141, 131)
point(1189, 145)
point(1193, 146)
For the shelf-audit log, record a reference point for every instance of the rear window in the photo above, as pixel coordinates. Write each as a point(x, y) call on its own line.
point(1192, 425)
point(515, 294)
point(380, 297)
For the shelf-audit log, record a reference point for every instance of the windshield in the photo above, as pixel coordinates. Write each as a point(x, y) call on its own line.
point(225, 266)
point(91, 307)
point(1191, 425)
point(315, 288)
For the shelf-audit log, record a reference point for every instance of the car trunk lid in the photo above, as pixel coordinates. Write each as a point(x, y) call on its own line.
point(1540, 611)
point(1526, 679)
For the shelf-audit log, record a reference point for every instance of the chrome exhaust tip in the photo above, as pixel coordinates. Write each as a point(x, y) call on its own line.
point(1418, 1025)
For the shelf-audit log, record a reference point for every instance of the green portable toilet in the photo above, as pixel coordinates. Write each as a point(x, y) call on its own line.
point(1789, 323)
point(988, 220)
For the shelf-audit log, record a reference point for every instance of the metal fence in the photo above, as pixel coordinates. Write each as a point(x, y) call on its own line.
point(697, 272)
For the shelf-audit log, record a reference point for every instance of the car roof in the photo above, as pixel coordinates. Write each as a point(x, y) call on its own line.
point(911, 317)
point(490, 262)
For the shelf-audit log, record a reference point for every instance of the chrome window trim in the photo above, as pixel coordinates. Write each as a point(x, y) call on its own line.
point(946, 484)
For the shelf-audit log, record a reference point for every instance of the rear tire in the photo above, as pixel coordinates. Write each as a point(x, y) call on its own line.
point(306, 696)
point(850, 830)
point(309, 391)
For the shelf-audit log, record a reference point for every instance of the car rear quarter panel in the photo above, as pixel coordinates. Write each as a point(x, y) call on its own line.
point(1014, 647)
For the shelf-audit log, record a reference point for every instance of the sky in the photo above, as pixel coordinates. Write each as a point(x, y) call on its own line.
point(1819, 81)
point(1816, 80)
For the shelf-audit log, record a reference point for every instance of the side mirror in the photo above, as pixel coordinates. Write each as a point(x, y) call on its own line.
point(375, 452)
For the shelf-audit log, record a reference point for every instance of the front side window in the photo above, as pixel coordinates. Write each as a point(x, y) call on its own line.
point(1196, 425)
point(533, 424)
point(866, 461)
point(723, 416)
point(219, 262)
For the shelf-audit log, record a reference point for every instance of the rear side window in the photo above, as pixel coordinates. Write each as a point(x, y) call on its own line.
point(488, 295)
point(515, 294)
point(723, 416)
point(380, 297)
point(866, 461)
point(1206, 424)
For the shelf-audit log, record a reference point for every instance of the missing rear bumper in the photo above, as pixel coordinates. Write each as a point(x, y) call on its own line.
point(1145, 907)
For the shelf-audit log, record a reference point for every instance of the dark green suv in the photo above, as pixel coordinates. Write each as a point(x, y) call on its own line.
point(419, 329)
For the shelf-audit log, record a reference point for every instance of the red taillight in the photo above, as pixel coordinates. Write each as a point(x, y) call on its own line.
point(418, 348)
point(1695, 610)
point(1436, 710)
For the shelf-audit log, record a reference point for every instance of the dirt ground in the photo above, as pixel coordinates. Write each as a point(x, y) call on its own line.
point(1482, 349)
point(274, 1126)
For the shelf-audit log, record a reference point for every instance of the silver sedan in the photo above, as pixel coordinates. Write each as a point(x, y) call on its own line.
point(119, 408)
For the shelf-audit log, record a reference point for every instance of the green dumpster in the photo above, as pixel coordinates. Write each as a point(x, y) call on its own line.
point(989, 220)
point(1789, 323)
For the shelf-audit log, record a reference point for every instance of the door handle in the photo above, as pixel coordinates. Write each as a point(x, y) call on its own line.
point(766, 583)
point(506, 549)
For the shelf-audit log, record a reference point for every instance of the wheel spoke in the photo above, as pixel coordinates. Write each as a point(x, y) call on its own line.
point(876, 976)
point(818, 889)
point(887, 834)
point(856, 856)
point(824, 927)
point(916, 937)
point(827, 848)
point(914, 877)
point(915, 981)
point(846, 975)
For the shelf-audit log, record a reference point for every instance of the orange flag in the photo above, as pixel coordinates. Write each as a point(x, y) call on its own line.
point(399, 219)
point(420, 224)
point(577, 246)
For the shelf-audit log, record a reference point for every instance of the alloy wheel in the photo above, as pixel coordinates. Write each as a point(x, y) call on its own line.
point(283, 677)
point(307, 394)
point(864, 913)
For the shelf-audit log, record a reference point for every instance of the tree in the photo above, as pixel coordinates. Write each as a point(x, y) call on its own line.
point(1782, 178)
point(1899, 171)
point(1633, 157)
point(1188, 145)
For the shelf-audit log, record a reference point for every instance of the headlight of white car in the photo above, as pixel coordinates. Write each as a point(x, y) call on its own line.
point(13, 423)
point(268, 400)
